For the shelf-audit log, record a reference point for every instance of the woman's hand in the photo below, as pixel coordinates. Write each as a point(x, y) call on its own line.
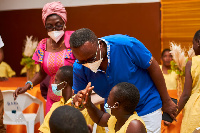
point(20, 90)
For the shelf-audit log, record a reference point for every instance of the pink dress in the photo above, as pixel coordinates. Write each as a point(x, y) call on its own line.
point(51, 62)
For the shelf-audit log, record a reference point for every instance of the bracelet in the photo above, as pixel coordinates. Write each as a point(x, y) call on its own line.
point(29, 82)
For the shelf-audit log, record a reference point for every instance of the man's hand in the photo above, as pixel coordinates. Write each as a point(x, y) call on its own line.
point(171, 108)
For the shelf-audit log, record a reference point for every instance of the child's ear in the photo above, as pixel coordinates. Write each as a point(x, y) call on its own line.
point(65, 84)
point(116, 104)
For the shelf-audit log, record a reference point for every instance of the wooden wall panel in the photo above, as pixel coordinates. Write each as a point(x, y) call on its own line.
point(140, 20)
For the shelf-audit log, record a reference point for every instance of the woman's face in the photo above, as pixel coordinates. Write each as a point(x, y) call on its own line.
point(167, 58)
point(54, 22)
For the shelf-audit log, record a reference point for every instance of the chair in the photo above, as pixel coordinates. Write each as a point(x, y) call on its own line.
point(13, 110)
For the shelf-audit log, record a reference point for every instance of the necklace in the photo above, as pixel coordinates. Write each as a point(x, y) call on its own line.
point(57, 47)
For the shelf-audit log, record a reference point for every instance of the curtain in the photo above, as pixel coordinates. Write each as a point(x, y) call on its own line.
point(180, 19)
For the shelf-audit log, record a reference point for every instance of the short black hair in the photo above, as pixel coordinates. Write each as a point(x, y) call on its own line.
point(66, 74)
point(67, 119)
point(197, 36)
point(165, 50)
point(80, 36)
point(127, 95)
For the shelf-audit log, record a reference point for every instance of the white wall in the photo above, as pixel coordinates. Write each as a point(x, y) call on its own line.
point(33, 4)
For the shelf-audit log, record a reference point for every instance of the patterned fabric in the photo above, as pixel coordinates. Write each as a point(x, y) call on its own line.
point(112, 122)
point(54, 8)
point(52, 61)
point(191, 113)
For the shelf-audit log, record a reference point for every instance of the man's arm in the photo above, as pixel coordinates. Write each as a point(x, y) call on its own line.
point(168, 105)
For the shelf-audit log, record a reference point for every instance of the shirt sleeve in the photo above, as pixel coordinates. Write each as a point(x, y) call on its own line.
point(79, 78)
point(139, 54)
point(45, 125)
point(39, 52)
point(10, 72)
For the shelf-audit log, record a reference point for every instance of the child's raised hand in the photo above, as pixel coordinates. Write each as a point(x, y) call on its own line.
point(80, 97)
point(89, 89)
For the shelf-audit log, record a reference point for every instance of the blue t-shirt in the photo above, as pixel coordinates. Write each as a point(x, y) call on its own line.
point(128, 60)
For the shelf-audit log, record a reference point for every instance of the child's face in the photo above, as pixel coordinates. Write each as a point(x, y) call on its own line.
point(111, 102)
point(166, 58)
point(195, 46)
point(58, 81)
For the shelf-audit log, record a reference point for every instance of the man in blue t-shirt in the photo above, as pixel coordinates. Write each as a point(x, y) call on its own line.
point(112, 59)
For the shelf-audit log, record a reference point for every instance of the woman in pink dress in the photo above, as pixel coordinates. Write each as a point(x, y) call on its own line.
point(51, 53)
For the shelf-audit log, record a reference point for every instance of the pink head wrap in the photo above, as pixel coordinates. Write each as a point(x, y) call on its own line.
point(54, 8)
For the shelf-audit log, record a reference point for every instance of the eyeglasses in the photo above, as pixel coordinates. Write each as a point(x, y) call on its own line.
point(91, 60)
point(56, 27)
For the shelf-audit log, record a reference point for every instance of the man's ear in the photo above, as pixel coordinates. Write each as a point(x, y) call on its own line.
point(89, 128)
point(102, 43)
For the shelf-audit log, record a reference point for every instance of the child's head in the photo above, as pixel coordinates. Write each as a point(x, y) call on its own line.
point(166, 57)
point(63, 81)
point(196, 43)
point(124, 95)
point(67, 119)
point(65, 73)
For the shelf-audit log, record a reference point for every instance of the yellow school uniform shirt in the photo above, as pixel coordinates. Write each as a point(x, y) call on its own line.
point(112, 122)
point(170, 80)
point(191, 113)
point(6, 70)
point(45, 125)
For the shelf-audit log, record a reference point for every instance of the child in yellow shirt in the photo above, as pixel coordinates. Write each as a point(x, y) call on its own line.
point(6, 71)
point(67, 119)
point(63, 87)
point(122, 101)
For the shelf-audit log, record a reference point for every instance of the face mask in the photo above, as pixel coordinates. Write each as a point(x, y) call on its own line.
point(94, 65)
point(108, 108)
point(54, 89)
point(56, 35)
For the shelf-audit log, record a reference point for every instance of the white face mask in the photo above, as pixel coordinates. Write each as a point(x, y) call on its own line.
point(56, 35)
point(94, 65)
